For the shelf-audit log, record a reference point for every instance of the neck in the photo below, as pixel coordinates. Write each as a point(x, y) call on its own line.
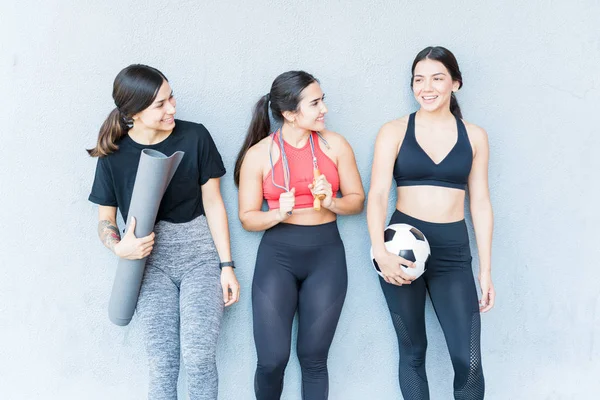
point(148, 136)
point(296, 137)
point(441, 115)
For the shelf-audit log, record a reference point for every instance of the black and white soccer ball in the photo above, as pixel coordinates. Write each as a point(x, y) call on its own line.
point(408, 242)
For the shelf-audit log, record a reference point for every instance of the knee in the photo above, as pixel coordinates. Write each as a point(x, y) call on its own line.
point(199, 362)
point(313, 365)
point(272, 366)
point(163, 369)
point(413, 354)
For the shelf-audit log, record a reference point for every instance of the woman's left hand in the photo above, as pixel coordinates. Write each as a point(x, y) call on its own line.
point(230, 285)
point(488, 294)
point(321, 186)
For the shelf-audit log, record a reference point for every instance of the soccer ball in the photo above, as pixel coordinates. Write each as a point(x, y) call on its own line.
point(408, 242)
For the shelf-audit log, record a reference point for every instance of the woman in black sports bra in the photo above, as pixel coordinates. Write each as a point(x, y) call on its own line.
point(433, 155)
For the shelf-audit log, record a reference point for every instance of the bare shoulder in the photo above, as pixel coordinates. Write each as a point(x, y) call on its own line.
point(257, 152)
point(476, 133)
point(334, 138)
point(394, 130)
point(478, 138)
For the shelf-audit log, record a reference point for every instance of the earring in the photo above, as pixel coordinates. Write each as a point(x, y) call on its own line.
point(293, 123)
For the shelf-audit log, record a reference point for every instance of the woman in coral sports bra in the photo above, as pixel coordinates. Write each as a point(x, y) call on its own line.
point(298, 167)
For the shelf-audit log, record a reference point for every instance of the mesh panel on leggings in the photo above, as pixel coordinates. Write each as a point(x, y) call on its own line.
point(474, 387)
point(412, 383)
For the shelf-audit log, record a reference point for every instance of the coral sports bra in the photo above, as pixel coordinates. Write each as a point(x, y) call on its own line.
point(300, 164)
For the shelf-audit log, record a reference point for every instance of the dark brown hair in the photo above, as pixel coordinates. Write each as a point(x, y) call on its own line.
point(283, 96)
point(445, 56)
point(134, 90)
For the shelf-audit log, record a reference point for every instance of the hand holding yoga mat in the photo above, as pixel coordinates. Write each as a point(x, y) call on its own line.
point(154, 174)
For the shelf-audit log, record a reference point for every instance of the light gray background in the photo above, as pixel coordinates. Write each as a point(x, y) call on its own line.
point(531, 80)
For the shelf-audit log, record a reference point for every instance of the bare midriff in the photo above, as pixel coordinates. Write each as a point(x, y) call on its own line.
point(431, 203)
point(308, 216)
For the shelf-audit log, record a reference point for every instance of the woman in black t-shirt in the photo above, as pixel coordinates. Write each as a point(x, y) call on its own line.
point(183, 292)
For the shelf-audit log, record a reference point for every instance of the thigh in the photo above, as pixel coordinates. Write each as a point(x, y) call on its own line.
point(201, 308)
point(158, 311)
point(454, 296)
point(407, 309)
point(321, 297)
point(274, 300)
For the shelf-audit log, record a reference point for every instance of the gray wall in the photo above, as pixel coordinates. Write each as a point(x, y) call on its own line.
point(531, 79)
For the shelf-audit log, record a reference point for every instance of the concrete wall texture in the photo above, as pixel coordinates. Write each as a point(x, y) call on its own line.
point(531, 79)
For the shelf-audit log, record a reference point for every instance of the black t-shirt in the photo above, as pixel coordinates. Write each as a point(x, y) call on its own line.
point(182, 201)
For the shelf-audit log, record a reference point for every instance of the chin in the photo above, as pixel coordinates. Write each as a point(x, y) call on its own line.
point(430, 107)
point(319, 126)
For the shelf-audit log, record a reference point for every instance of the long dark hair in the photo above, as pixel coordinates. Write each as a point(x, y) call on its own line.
point(283, 96)
point(134, 89)
point(445, 56)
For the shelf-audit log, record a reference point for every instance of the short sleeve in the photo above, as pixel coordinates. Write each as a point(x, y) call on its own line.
point(210, 162)
point(103, 190)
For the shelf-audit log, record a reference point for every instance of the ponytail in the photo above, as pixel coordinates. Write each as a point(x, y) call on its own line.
point(260, 127)
point(285, 95)
point(454, 107)
point(134, 90)
point(111, 131)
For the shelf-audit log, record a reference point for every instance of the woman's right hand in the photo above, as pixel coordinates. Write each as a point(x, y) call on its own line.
point(287, 201)
point(132, 248)
point(389, 265)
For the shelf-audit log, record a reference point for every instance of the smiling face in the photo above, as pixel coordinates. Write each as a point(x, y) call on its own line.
point(433, 85)
point(311, 109)
point(160, 115)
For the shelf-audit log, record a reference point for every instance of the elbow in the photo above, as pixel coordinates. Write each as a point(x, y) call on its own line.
point(354, 203)
point(377, 195)
point(211, 203)
point(245, 222)
point(361, 203)
point(481, 205)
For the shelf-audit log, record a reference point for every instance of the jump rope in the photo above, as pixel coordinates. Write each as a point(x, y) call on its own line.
point(286, 168)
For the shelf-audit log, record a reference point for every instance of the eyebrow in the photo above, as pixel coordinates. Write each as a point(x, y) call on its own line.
point(319, 98)
point(160, 101)
point(437, 73)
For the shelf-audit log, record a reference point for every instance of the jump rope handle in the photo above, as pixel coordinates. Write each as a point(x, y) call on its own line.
point(318, 197)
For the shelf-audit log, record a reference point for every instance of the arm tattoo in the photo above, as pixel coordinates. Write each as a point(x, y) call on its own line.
point(109, 234)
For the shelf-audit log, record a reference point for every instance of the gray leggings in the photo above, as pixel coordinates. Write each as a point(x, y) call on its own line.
point(180, 308)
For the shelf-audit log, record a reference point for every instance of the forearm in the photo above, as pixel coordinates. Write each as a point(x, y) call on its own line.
point(376, 213)
point(216, 216)
point(255, 221)
point(351, 203)
point(109, 235)
point(483, 222)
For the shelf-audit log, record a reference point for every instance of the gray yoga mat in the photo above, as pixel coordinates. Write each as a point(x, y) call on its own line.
point(154, 173)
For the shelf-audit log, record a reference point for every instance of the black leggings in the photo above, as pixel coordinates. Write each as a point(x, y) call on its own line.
point(449, 280)
point(297, 267)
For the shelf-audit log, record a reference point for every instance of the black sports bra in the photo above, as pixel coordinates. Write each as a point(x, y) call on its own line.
point(414, 167)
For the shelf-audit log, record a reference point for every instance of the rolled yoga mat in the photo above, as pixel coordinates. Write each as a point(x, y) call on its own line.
point(154, 174)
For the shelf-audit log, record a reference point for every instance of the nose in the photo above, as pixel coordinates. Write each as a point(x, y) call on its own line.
point(170, 108)
point(427, 86)
point(323, 108)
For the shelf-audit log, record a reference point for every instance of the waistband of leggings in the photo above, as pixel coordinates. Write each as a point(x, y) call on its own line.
point(303, 235)
point(190, 231)
point(439, 234)
point(400, 214)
